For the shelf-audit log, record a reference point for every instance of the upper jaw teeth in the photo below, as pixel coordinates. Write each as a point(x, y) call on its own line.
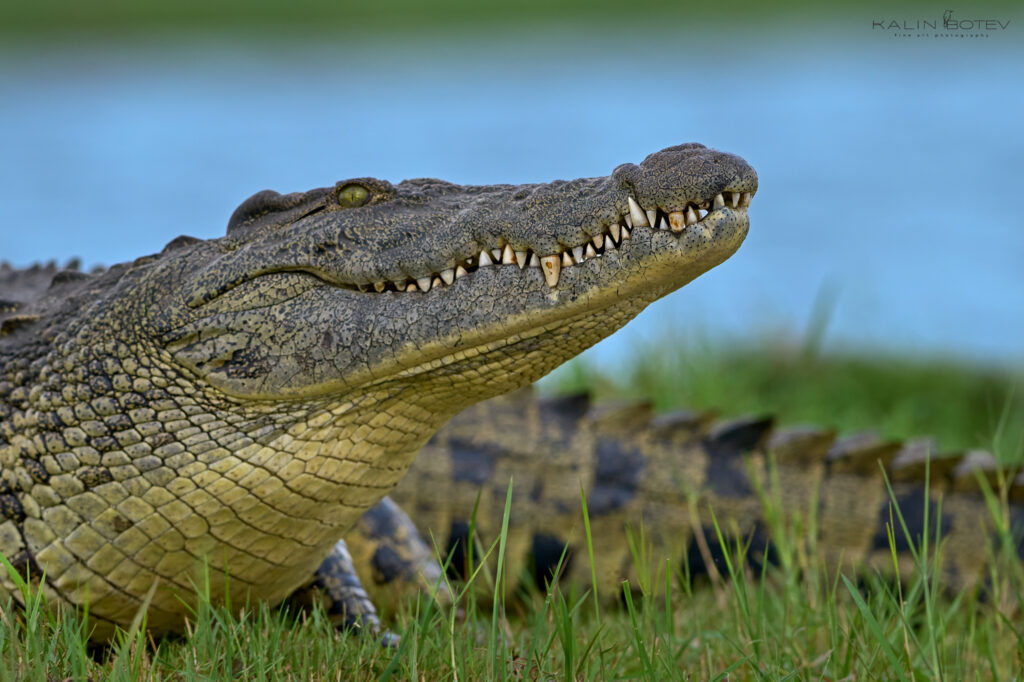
point(637, 214)
point(609, 239)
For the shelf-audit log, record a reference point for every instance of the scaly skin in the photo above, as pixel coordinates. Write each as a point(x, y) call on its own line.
point(667, 474)
point(242, 401)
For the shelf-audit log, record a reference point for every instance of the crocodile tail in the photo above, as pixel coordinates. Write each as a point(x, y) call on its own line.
point(682, 480)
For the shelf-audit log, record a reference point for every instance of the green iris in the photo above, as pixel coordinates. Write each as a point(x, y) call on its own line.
point(353, 195)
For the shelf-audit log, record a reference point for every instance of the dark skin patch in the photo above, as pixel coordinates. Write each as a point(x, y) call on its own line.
point(1017, 529)
point(24, 565)
point(546, 559)
point(379, 521)
point(387, 565)
point(36, 470)
point(759, 551)
point(571, 408)
point(10, 507)
point(472, 463)
point(94, 476)
point(159, 439)
point(727, 477)
point(455, 551)
point(726, 472)
point(616, 478)
point(911, 506)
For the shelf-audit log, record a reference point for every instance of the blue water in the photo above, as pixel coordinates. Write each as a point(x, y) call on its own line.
point(890, 170)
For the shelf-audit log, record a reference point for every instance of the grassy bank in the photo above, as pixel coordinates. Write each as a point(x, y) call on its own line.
point(963, 406)
point(798, 620)
point(781, 624)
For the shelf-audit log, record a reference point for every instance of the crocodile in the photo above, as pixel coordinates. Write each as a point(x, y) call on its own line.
point(675, 477)
point(228, 408)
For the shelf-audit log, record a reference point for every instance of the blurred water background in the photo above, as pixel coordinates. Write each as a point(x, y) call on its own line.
point(890, 167)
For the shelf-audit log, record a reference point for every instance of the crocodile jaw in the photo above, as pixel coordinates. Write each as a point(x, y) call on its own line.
point(439, 277)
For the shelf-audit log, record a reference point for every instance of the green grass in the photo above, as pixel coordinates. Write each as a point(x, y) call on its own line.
point(118, 18)
point(777, 625)
point(962, 405)
point(784, 623)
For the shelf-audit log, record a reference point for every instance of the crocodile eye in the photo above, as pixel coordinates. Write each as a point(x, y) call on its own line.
point(352, 195)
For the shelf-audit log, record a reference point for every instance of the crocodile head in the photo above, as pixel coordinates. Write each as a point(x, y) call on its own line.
point(454, 292)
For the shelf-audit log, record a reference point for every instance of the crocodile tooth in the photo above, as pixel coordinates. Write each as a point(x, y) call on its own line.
point(398, 284)
point(662, 224)
point(719, 201)
point(436, 282)
point(735, 199)
point(577, 254)
point(628, 219)
point(363, 287)
point(691, 217)
point(638, 214)
point(609, 245)
point(412, 287)
point(424, 282)
point(460, 271)
point(552, 266)
point(379, 286)
point(448, 275)
point(703, 213)
point(590, 253)
point(745, 200)
point(507, 256)
point(598, 241)
point(521, 259)
point(625, 233)
point(677, 219)
point(567, 259)
point(613, 230)
point(496, 254)
point(652, 216)
point(534, 261)
point(485, 259)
